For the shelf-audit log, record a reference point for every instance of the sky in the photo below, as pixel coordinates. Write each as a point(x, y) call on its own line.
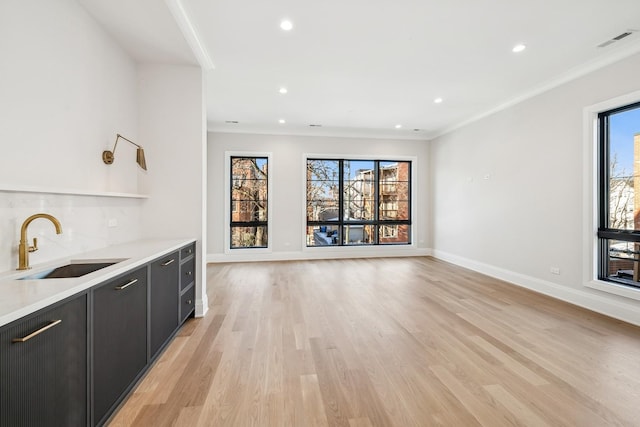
point(623, 126)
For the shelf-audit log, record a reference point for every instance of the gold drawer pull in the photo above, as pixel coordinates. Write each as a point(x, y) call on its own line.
point(164, 264)
point(39, 331)
point(126, 285)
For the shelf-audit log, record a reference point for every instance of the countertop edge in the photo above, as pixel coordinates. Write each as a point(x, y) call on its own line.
point(34, 295)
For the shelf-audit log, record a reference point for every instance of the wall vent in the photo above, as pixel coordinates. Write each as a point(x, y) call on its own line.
point(617, 38)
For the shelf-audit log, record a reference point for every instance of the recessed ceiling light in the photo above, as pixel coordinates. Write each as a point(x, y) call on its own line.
point(398, 126)
point(286, 25)
point(281, 121)
point(283, 90)
point(313, 125)
point(518, 48)
point(232, 122)
point(438, 100)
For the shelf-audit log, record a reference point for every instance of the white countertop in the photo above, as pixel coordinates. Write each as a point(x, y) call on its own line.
point(19, 298)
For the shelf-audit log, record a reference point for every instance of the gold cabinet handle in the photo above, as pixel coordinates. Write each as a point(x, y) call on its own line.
point(164, 264)
point(189, 302)
point(126, 285)
point(189, 273)
point(38, 332)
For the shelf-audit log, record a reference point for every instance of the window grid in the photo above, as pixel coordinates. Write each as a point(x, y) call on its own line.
point(618, 203)
point(249, 202)
point(358, 202)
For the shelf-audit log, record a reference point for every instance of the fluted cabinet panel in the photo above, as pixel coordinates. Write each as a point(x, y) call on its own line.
point(44, 378)
point(164, 302)
point(119, 339)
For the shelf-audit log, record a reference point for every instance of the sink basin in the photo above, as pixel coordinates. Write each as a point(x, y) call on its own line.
point(75, 269)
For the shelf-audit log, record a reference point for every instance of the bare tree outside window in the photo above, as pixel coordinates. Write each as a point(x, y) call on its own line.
point(358, 202)
point(621, 196)
point(619, 175)
point(249, 201)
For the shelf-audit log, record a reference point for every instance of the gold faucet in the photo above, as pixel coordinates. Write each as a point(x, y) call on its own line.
point(24, 248)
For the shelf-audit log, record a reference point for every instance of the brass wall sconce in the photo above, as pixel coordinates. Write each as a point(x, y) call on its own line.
point(108, 156)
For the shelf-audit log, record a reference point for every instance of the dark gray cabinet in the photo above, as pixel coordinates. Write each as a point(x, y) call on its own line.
point(187, 281)
point(119, 339)
point(73, 363)
point(164, 302)
point(44, 365)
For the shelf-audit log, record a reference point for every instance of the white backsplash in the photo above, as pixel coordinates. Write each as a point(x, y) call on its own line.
point(85, 224)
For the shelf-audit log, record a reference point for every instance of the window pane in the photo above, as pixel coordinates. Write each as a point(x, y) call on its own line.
point(346, 193)
point(248, 202)
point(391, 209)
point(358, 234)
point(358, 207)
point(323, 235)
point(622, 260)
point(248, 237)
point(390, 234)
point(359, 189)
point(322, 170)
point(397, 189)
point(250, 190)
point(394, 171)
point(249, 211)
point(624, 170)
point(356, 170)
point(322, 210)
point(322, 190)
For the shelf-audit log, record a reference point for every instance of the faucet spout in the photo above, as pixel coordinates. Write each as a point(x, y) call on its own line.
point(24, 248)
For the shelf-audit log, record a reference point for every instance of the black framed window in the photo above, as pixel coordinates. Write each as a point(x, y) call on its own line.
point(358, 202)
point(619, 195)
point(249, 202)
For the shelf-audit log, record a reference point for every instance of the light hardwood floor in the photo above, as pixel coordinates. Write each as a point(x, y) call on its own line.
point(387, 342)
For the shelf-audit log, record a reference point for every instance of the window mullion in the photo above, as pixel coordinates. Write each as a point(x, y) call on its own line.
point(376, 202)
point(340, 202)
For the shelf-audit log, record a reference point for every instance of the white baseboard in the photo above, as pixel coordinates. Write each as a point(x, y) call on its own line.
point(320, 253)
point(202, 306)
point(600, 302)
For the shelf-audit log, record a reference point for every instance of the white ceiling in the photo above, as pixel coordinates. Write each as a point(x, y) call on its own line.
point(360, 67)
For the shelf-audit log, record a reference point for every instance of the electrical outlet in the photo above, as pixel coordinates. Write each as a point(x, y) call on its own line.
point(113, 222)
point(555, 270)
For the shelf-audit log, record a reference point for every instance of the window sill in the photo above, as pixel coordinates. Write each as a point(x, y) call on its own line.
point(245, 251)
point(615, 288)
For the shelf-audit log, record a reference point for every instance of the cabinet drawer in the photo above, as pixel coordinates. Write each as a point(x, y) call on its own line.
point(187, 251)
point(187, 273)
point(187, 303)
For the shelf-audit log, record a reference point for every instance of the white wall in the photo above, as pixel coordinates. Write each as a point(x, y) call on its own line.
point(66, 89)
point(172, 124)
point(286, 171)
point(509, 191)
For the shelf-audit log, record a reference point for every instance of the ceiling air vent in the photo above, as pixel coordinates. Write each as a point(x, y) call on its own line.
point(617, 38)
